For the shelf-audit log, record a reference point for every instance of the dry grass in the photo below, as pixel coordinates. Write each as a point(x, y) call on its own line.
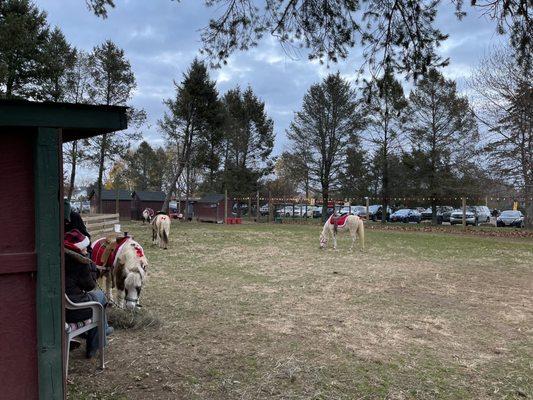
point(259, 312)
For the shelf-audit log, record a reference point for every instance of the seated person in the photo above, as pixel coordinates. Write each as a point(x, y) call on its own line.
point(73, 220)
point(80, 285)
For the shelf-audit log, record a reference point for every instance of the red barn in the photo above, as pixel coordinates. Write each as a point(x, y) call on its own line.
point(210, 208)
point(142, 200)
point(31, 239)
point(109, 202)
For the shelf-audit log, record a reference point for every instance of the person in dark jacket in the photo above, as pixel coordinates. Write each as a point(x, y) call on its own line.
point(80, 284)
point(73, 220)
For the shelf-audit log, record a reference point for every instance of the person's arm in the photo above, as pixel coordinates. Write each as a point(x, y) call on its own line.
point(86, 279)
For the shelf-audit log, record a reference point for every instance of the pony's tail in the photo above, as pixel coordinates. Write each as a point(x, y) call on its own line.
point(361, 234)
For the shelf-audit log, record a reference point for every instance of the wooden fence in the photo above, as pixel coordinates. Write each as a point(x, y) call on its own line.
point(100, 224)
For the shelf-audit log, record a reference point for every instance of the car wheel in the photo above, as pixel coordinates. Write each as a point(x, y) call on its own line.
point(287, 215)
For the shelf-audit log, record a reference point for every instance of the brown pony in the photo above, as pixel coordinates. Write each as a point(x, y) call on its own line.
point(125, 265)
point(161, 230)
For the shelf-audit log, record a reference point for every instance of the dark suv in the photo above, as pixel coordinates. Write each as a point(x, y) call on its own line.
point(375, 212)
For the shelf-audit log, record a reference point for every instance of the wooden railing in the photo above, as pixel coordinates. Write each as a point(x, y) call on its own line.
point(100, 224)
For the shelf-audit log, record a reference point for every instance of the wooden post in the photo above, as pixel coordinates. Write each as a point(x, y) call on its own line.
point(257, 214)
point(367, 207)
point(250, 208)
point(117, 208)
point(464, 212)
point(486, 201)
point(226, 206)
point(269, 206)
point(49, 279)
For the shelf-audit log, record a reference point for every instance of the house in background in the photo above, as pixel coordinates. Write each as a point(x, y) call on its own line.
point(109, 202)
point(210, 208)
point(143, 199)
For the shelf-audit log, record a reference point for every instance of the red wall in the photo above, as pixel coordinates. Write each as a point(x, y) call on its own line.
point(18, 336)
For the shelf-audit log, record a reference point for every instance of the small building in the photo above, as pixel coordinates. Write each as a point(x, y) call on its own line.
point(142, 200)
point(109, 202)
point(210, 208)
point(32, 300)
point(180, 206)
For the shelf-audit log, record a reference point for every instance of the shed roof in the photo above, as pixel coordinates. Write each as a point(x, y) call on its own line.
point(211, 198)
point(77, 121)
point(149, 196)
point(112, 194)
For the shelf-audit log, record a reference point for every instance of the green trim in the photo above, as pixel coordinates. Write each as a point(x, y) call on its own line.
point(48, 248)
point(76, 120)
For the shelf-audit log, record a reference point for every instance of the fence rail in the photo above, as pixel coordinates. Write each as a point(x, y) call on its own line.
point(100, 224)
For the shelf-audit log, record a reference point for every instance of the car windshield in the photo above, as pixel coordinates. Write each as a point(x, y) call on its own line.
point(359, 208)
point(403, 211)
point(428, 210)
point(373, 208)
point(511, 214)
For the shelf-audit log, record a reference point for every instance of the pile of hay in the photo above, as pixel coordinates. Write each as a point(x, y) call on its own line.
point(140, 318)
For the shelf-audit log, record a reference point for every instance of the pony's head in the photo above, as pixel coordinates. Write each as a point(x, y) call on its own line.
point(135, 264)
point(323, 240)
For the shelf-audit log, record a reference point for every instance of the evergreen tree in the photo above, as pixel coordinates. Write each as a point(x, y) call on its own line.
point(23, 36)
point(327, 121)
point(355, 178)
point(384, 109)
point(190, 116)
point(112, 83)
point(144, 167)
point(248, 141)
point(442, 127)
point(59, 59)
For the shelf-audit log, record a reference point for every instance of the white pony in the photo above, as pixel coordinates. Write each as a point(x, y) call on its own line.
point(125, 264)
point(148, 214)
point(351, 223)
point(161, 230)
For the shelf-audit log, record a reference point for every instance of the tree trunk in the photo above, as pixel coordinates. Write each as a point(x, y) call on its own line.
point(385, 189)
point(325, 201)
point(73, 169)
point(101, 163)
point(171, 188)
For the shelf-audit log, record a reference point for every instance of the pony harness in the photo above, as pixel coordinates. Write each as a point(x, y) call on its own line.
point(106, 251)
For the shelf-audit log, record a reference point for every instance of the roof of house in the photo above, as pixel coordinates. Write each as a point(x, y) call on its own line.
point(75, 120)
point(211, 198)
point(149, 196)
point(112, 194)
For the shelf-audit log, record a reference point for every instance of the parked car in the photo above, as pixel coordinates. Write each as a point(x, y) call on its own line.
point(375, 212)
point(317, 212)
point(285, 211)
point(427, 214)
point(302, 210)
point(475, 215)
point(510, 218)
point(85, 206)
point(406, 215)
point(264, 209)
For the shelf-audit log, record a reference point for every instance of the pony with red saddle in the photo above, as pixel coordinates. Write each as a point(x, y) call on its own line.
point(343, 223)
point(125, 264)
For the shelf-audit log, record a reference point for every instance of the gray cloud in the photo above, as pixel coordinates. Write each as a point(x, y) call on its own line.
point(162, 37)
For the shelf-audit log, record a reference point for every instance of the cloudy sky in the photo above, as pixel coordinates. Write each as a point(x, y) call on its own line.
point(162, 37)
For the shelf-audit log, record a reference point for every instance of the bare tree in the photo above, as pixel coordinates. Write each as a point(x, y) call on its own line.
point(503, 99)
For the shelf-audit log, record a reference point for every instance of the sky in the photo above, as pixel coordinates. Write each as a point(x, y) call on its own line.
point(162, 37)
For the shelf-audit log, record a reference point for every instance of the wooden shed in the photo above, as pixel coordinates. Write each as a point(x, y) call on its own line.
point(31, 251)
point(210, 208)
point(141, 200)
point(109, 202)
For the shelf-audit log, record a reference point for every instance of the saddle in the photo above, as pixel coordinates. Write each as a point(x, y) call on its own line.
point(337, 221)
point(104, 252)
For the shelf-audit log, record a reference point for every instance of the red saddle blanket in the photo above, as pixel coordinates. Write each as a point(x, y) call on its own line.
point(339, 221)
point(105, 252)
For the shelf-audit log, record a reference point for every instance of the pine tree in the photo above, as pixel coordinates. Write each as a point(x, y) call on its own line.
point(23, 35)
point(189, 117)
point(384, 109)
point(442, 127)
point(248, 141)
point(328, 119)
point(112, 83)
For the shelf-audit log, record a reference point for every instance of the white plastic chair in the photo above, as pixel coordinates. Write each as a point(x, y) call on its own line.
point(97, 321)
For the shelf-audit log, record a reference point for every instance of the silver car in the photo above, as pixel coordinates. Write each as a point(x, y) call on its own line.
point(475, 215)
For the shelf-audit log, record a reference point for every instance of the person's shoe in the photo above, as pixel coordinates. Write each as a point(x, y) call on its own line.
point(74, 344)
point(109, 330)
point(91, 353)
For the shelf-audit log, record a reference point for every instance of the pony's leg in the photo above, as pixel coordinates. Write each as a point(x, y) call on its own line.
point(108, 291)
point(352, 234)
point(334, 241)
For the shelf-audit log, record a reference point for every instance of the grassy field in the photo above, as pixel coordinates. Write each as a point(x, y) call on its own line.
point(259, 312)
